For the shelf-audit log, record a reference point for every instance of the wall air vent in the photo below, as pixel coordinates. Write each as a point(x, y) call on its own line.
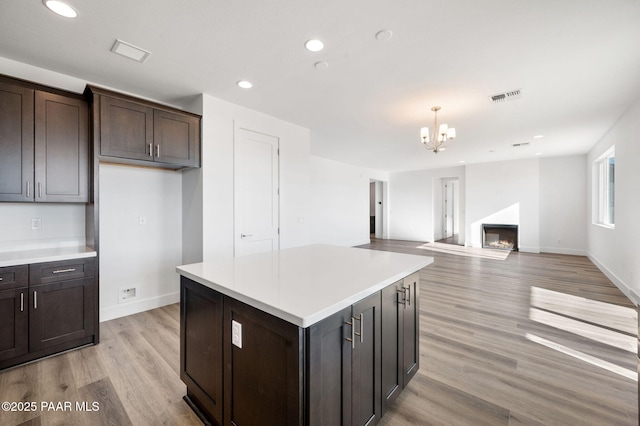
point(521, 144)
point(506, 96)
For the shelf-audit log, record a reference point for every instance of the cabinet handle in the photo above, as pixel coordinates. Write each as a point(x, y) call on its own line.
point(353, 332)
point(60, 271)
point(408, 291)
point(35, 300)
point(150, 150)
point(28, 189)
point(1, 278)
point(361, 334)
point(39, 190)
point(158, 150)
point(402, 301)
point(21, 302)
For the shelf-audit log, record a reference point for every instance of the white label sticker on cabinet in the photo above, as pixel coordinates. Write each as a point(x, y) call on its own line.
point(236, 333)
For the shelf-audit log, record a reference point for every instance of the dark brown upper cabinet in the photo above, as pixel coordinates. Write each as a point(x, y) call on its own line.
point(134, 131)
point(44, 145)
point(16, 142)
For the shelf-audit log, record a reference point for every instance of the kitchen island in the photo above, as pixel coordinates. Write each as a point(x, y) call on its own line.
point(314, 335)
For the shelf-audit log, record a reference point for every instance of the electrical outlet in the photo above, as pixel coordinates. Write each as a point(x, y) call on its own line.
point(126, 294)
point(236, 333)
point(36, 223)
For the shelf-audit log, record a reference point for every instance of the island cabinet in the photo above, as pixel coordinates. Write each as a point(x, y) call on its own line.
point(302, 336)
point(44, 155)
point(400, 337)
point(255, 375)
point(134, 131)
point(45, 308)
point(344, 374)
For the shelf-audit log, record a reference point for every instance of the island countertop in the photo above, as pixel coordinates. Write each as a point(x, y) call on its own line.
point(304, 285)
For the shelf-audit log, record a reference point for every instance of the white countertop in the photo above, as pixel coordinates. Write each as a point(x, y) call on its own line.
point(24, 257)
point(304, 285)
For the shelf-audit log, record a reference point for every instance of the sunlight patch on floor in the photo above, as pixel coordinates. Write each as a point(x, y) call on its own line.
point(629, 374)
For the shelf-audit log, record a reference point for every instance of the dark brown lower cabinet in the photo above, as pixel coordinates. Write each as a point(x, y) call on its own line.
point(13, 323)
point(274, 372)
point(45, 308)
point(60, 313)
point(400, 337)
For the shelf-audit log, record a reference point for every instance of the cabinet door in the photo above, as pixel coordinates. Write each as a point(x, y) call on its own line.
point(61, 148)
point(411, 329)
point(201, 346)
point(126, 129)
point(329, 371)
point(176, 137)
point(13, 323)
point(264, 373)
point(392, 308)
point(365, 362)
point(60, 312)
point(16, 143)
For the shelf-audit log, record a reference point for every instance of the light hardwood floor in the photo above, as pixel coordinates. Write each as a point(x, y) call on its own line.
point(530, 340)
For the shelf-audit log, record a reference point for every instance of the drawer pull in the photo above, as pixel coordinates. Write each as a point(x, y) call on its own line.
point(61, 271)
point(408, 291)
point(21, 302)
point(35, 300)
point(1, 278)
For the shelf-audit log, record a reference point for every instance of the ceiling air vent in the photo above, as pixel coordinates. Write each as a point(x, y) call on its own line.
point(506, 96)
point(521, 144)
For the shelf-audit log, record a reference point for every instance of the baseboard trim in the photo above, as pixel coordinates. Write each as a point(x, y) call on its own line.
point(136, 307)
point(557, 250)
point(624, 288)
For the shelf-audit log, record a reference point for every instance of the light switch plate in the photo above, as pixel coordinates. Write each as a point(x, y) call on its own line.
point(236, 333)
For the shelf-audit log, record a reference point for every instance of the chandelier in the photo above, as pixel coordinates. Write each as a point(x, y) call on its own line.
point(435, 142)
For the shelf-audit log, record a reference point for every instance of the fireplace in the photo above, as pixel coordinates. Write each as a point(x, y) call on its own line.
point(502, 237)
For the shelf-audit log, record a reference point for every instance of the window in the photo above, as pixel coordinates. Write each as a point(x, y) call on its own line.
point(604, 188)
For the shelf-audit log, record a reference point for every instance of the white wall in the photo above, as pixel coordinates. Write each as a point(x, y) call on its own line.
point(504, 193)
point(615, 251)
point(563, 205)
point(217, 177)
point(340, 202)
point(133, 254)
point(412, 212)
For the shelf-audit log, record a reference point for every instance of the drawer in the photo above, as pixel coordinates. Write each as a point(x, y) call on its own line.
point(14, 277)
point(50, 272)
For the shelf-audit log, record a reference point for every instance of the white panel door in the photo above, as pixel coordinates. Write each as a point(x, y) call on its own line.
point(256, 183)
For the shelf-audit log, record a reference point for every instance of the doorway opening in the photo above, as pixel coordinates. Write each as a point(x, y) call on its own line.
point(376, 209)
point(450, 216)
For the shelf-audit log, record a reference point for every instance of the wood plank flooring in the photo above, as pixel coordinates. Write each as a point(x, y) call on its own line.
point(531, 340)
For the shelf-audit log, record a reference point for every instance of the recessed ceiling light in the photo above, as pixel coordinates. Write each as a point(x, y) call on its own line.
point(384, 35)
point(314, 45)
point(538, 153)
point(538, 136)
point(321, 65)
point(130, 51)
point(244, 84)
point(60, 8)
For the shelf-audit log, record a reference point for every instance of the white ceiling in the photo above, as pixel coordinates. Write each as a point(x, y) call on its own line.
point(577, 63)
